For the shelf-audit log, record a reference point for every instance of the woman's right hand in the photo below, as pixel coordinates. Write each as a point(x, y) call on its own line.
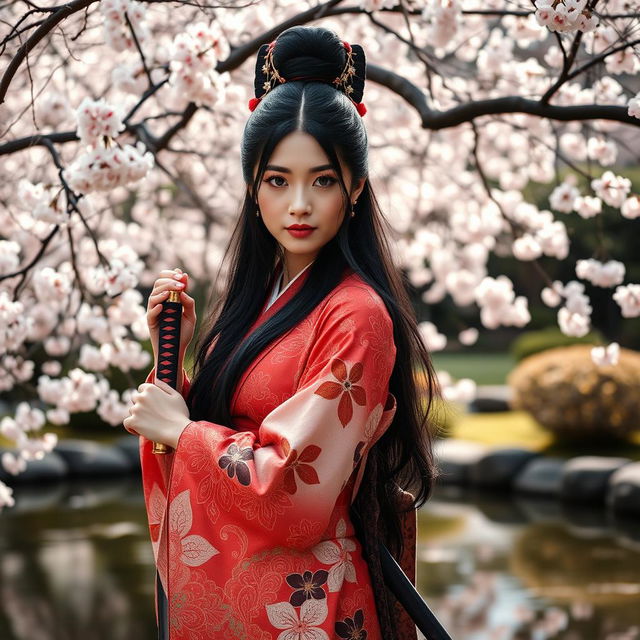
point(169, 280)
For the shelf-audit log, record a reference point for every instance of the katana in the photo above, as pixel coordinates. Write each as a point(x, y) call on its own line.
point(167, 370)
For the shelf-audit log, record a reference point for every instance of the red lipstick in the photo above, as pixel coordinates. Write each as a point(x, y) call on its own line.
point(300, 230)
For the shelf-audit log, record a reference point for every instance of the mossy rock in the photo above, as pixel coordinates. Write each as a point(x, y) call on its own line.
point(571, 396)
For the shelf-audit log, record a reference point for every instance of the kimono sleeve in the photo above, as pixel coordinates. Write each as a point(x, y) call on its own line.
point(292, 468)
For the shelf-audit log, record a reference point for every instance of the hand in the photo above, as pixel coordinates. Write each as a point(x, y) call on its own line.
point(167, 281)
point(158, 413)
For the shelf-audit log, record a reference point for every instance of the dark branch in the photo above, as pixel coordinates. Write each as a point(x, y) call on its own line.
point(435, 120)
point(43, 30)
point(566, 67)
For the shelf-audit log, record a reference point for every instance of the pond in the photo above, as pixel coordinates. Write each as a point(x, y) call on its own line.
point(496, 567)
point(76, 562)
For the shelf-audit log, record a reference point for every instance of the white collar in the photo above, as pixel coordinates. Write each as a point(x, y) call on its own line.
point(275, 293)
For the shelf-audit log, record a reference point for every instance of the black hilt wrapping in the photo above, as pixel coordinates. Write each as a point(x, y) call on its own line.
point(168, 350)
point(169, 342)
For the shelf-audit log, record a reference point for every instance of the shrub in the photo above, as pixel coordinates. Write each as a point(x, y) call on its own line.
point(532, 342)
point(567, 393)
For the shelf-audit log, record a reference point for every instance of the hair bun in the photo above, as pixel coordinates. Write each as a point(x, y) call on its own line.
point(312, 54)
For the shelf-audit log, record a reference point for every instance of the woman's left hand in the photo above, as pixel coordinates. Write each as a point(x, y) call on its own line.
point(158, 413)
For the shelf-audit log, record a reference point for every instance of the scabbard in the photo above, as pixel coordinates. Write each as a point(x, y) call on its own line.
point(163, 610)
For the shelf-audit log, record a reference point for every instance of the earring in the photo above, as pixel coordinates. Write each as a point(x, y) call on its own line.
point(353, 213)
point(257, 212)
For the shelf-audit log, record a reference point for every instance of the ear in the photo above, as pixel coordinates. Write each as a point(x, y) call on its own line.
point(357, 190)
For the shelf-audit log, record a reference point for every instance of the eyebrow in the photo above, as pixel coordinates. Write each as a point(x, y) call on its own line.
point(274, 167)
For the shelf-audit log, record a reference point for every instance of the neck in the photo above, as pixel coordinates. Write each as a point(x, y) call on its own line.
point(292, 268)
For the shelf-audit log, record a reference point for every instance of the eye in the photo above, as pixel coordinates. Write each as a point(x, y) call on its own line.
point(331, 180)
point(274, 178)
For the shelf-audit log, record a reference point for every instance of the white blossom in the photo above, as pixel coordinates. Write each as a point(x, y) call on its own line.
point(611, 188)
point(631, 207)
point(433, 339)
point(606, 355)
point(607, 274)
point(6, 496)
point(634, 106)
point(587, 206)
point(468, 336)
point(562, 198)
point(97, 119)
point(628, 298)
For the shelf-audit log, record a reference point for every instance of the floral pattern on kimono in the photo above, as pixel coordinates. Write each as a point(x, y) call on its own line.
point(259, 542)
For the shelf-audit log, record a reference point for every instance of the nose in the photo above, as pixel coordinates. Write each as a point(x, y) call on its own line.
point(300, 203)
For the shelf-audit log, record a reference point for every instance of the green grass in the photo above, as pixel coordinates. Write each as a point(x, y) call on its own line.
point(519, 429)
point(483, 368)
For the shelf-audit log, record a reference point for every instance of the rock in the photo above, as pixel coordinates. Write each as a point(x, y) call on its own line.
point(586, 520)
point(542, 476)
point(89, 492)
point(540, 508)
point(586, 478)
point(497, 506)
point(130, 446)
point(455, 457)
point(491, 399)
point(498, 468)
point(86, 458)
point(627, 530)
point(51, 467)
point(623, 493)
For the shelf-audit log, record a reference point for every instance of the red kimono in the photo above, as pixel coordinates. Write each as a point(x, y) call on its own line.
point(260, 544)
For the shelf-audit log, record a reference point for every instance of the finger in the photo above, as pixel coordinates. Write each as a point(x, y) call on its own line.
point(187, 300)
point(154, 312)
point(162, 384)
point(166, 283)
point(161, 292)
point(156, 297)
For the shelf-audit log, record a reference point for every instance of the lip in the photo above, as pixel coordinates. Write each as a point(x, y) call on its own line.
point(299, 227)
point(300, 232)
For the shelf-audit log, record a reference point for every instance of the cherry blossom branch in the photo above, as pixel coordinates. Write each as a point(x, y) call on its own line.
point(568, 61)
point(487, 187)
point(72, 206)
point(23, 272)
point(139, 48)
point(601, 58)
point(434, 120)
point(60, 14)
point(515, 228)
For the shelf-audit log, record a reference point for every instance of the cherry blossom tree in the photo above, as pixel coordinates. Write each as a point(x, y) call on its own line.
point(120, 125)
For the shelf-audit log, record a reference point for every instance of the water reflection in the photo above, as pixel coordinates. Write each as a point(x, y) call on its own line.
point(76, 562)
point(499, 568)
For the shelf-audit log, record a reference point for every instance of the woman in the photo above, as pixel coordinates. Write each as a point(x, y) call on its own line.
point(303, 415)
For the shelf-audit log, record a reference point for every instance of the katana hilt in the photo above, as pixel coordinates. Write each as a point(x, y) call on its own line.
point(168, 349)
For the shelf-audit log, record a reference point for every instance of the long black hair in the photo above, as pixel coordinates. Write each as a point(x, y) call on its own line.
point(404, 453)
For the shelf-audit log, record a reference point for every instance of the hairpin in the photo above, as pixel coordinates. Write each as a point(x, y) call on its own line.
point(343, 82)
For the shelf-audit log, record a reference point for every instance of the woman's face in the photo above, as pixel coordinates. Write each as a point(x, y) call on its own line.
point(300, 188)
